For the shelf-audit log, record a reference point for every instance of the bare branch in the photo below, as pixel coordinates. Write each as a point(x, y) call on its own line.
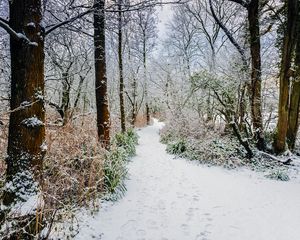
point(241, 2)
point(229, 35)
point(126, 8)
point(58, 25)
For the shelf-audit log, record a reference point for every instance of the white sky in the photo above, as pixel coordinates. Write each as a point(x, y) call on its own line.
point(164, 16)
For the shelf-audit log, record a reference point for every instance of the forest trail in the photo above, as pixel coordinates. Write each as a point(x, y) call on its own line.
point(171, 198)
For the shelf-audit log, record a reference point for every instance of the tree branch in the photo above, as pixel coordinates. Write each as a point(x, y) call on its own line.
point(127, 8)
point(13, 33)
point(4, 20)
point(58, 25)
point(229, 35)
point(241, 2)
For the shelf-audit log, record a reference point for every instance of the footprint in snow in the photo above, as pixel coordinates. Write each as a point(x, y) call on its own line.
point(202, 235)
point(119, 238)
point(152, 224)
point(141, 233)
point(129, 225)
point(185, 228)
point(195, 198)
point(161, 205)
point(131, 213)
point(190, 213)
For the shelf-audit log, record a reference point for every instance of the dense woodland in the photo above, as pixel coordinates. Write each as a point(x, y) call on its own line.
point(76, 78)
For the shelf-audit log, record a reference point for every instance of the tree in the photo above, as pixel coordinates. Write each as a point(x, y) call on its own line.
point(293, 122)
point(284, 88)
point(68, 66)
point(256, 101)
point(26, 146)
point(103, 115)
point(146, 35)
point(121, 74)
point(252, 8)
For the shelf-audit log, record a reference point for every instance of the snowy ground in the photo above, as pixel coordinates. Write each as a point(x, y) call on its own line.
point(171, 198)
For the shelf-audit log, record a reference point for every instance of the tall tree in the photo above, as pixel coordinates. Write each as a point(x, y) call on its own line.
point(103, 115)
point(255, 46)
point(146, 35)
point(26, 146)
point(293, 122)
point(121, 74)
point(284, 88)
point(252, 8)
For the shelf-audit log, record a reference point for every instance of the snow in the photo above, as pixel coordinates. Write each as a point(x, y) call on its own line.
point(32, 122)
point(44, 147)
point(25, 104)
point(31, 24)
point(26, 190)
point(34, 44)
point(22, 36)
point(39, 95)
point(171, 198)
point(27, 207)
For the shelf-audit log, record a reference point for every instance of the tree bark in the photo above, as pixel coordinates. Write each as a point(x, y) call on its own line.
point(26, 125)
point(134, 102)
point(287, 52)
point(256, 107)
point(145, 79)
point(65, 100)
point(293, 122)
point(121, 77)
point(103, 115)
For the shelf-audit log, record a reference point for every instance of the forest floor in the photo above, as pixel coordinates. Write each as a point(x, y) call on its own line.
point(171, 198)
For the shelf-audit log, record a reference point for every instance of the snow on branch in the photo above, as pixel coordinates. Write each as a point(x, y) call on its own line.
point(14, 34)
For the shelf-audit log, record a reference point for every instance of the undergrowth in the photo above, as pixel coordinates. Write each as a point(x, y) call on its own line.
point(78, 172)
point(115, 171)
point(193, 141)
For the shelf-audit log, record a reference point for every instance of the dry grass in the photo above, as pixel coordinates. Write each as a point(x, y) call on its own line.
point(141, 121)
point(3, 146)
point(77, 170)
point(73, 167)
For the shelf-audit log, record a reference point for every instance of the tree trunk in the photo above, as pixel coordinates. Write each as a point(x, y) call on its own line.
point(145, 79)
point(134, 103)
point(256, 107)
point(78, 96)
point(26, 125)
point(293, 122)
point(120, 53)
point(103, 116)
point(65, 101)
point(287, 52)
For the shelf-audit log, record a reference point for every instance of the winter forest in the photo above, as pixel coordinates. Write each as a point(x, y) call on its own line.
point(150, 119)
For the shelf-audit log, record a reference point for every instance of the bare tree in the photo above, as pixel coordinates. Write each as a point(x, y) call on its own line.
point(145, 41)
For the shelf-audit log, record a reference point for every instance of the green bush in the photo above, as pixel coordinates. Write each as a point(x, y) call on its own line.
point(177, 147)
point(115, 166)
point(278, 175)
point(127, 141)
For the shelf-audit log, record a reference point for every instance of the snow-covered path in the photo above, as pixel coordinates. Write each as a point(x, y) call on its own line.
point(171, 198)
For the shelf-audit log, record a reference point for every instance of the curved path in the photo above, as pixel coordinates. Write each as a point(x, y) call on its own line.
point(171, 198)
